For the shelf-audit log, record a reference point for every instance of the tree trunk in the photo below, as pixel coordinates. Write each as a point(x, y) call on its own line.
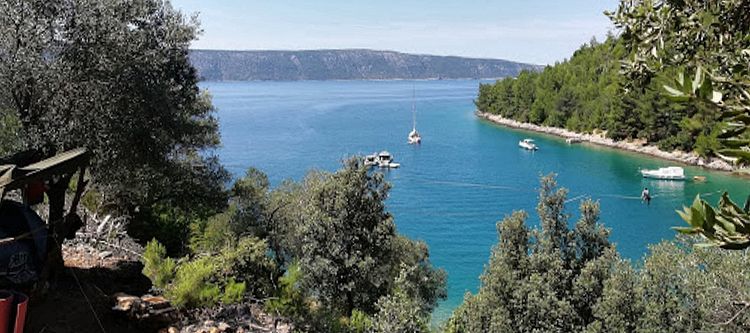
point(56, 236)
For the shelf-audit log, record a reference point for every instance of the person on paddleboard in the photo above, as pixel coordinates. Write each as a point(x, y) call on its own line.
point(646, 196)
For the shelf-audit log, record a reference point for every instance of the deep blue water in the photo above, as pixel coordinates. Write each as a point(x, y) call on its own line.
point(467, 174)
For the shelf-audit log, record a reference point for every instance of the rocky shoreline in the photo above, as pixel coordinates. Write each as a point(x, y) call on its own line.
point(634, 146)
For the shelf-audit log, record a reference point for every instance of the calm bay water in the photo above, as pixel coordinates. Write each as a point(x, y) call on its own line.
point(467, 175)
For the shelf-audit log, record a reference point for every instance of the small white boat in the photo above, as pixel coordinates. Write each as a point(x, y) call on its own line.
point(385, 160)
point(573, 140)
point(668, 173)
point(414, 137)
point(527, 144)
point(371, 160)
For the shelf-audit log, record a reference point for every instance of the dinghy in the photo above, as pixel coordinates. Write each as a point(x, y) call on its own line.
point(527, 144)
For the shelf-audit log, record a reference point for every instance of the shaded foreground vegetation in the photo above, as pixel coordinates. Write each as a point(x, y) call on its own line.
point(325, 250)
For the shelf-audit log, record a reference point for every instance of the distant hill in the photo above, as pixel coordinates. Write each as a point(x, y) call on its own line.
point(215, 65)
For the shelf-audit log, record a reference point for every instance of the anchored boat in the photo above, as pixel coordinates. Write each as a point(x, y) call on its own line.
point(384, 159)
point(668, 173)
point(371, 160)
point(414, 137)
point(527, 144)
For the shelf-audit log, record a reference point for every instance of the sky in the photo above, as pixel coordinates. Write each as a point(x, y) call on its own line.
point(532, 31)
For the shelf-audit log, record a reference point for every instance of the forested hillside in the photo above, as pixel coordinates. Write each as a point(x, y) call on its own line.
point(216, 65)
point(584, 94)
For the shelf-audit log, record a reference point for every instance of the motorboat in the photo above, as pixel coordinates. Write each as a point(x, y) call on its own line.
point(371, 160)
point(668, 173)
point(527, 144)
point(573, 140)
point(385, 160)
point(414, 138)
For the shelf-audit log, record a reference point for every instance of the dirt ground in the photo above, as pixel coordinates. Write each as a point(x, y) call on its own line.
point(65, 308)
point(87, 307)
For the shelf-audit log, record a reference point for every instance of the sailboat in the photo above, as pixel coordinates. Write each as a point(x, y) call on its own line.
point(414, 138)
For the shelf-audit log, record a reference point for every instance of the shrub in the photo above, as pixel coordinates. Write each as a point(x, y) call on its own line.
point(248, 261)
point(168, 224)
point(192, 286)
point(290, 301)
point(206, 280)
point(234, 292)
point(156, 265)
point(214, 234)
point(359, 322)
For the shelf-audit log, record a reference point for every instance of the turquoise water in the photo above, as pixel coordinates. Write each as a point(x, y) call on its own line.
point(467, 174)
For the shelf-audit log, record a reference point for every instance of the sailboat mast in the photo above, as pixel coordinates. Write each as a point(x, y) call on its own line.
point(414, 108)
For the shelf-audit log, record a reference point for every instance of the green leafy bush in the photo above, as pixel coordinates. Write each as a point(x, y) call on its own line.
point(193, 286)
point(359, 322)
point(206, 280)
point(234, 292)
point(727, 226)
point(248, 261)
point(170, 225)
point(159, 268)
point(9, 130)
point(214, 234)
point(290, 301)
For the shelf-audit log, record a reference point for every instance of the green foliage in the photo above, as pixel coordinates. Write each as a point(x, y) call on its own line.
point(250, 195)
point(545, 279)
point(421, 280)
point(708, 44)
point(360, 322)
point(584, 94)
point(169, 224)
point(192, 286)
point(114, 77)
point(234, 292)
point(339, 246)
point(214, 234)
point(248, 261)
point(680, 288)
point(727, 226)
point(346, 243)
point(398, 313)
point(156, 265)
point(400, 310)
point(205, 280)
point(9, 128)
point(290, 301)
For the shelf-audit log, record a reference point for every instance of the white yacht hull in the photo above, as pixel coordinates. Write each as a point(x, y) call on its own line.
point(527, 146)
point(670, 173)
point(391, 165)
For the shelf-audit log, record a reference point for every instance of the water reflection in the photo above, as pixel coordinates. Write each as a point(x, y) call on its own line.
point(667, 185)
